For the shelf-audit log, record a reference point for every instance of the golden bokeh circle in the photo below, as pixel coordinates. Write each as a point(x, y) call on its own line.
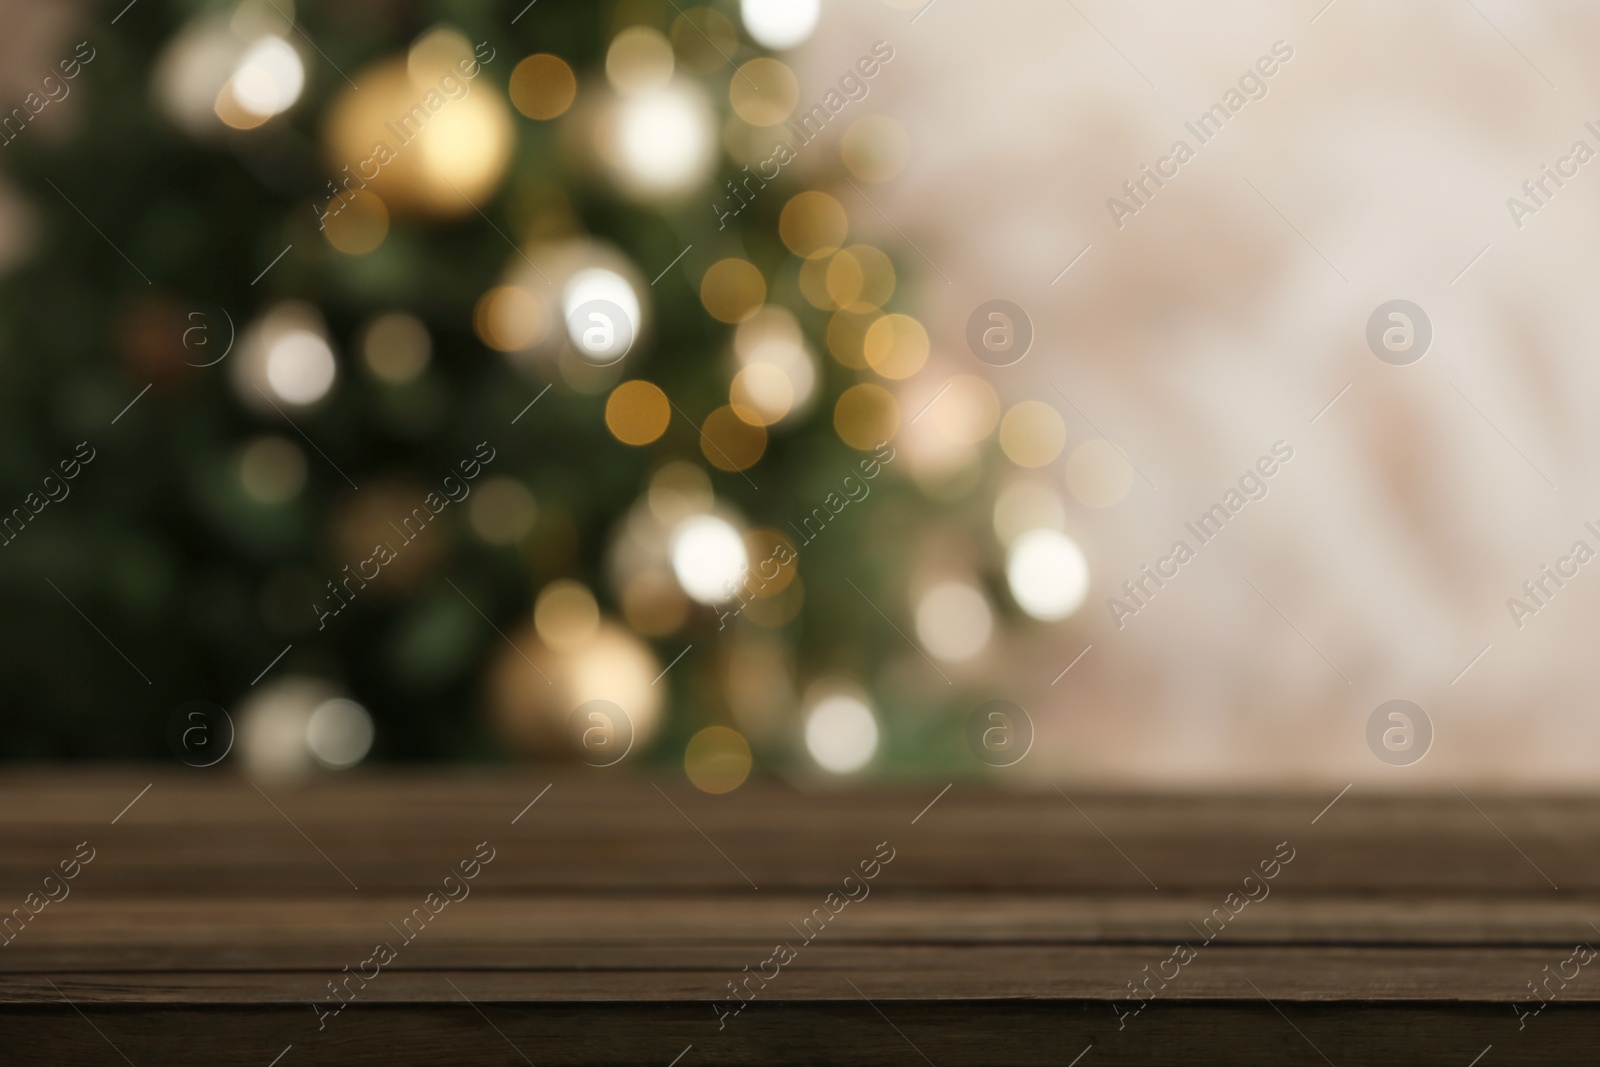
point(396, 347)
point(763, 91)
point(814, 282)
point(638, 60)
point(733, 290)
point(875, 148)
point(653, 603)
point(730, 443)
point(360, 225)
point(896, 346)
point(543, 86)
point(877, 278)
point(865, 416)
point(813, 223)
point(717, 759)
point(436, 147)
point(847, 337)
point(703, 38)
point(1032, 434)
point(844, 280)
point(508, 318)
point(637, 412)
point(566, 615)
point(773, 560)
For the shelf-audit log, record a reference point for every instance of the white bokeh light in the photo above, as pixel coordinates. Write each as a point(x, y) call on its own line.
point(780, 23)
point(339, 733)
point(272, 723)
point(954, 621)
point(841, 734)
point(772, 336)
point(300, 368)
point(600, 283)
point(708, 557)
point(1048, 575)
point(665, 140)
point(269, 77)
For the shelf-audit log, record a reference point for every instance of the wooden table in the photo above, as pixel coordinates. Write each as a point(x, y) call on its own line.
point(616, 911)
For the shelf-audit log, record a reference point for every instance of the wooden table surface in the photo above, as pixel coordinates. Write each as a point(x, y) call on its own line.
point(614, 916)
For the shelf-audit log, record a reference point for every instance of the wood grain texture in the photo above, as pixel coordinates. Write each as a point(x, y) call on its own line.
point(1007, 928)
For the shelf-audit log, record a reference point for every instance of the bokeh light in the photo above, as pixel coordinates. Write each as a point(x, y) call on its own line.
point(771, 339)
point(703, 38)
point(780, 23)
point(841, 733)
point(729, 442)
point(284, 359)
point(339, 733)
point(896, 346)
point(764, 92)
point(1032, 434)
point(534, 689)
point(192, 75)
point(660, 143)
point(566, 615)
point(847, 337)
point(269, 78)
point(876, 277)
point(717, 759)
point(356, 223)
point(639, 60)
point(1025, 505)
point(601, 283)
point(509, 318)
point(396, 348)
point(875, 148)
point(708, 557)
point(812, 224)
point(542, 86)
point(865, 416)
point(1048, 576)
point(678, 490)
point(271, 726)
point(966, 410)
point(637, 412)
point(761, 394)
point(732, 290)
point(272, 470)
point(953, 621)
point(768, 548)
point(441, 154)
point(501, 510)
point(653, 603)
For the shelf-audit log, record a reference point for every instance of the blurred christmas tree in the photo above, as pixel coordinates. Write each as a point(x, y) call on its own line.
point(477, 363)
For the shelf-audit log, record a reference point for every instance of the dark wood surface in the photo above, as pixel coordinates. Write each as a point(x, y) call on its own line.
point(616, 910)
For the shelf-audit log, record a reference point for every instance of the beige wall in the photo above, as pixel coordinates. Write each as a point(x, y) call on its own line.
point(1207, 328)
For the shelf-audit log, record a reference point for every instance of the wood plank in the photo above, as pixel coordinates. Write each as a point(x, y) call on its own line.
point(1006, 929)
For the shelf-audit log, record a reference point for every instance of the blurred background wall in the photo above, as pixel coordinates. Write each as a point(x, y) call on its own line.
point(1194, 335)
